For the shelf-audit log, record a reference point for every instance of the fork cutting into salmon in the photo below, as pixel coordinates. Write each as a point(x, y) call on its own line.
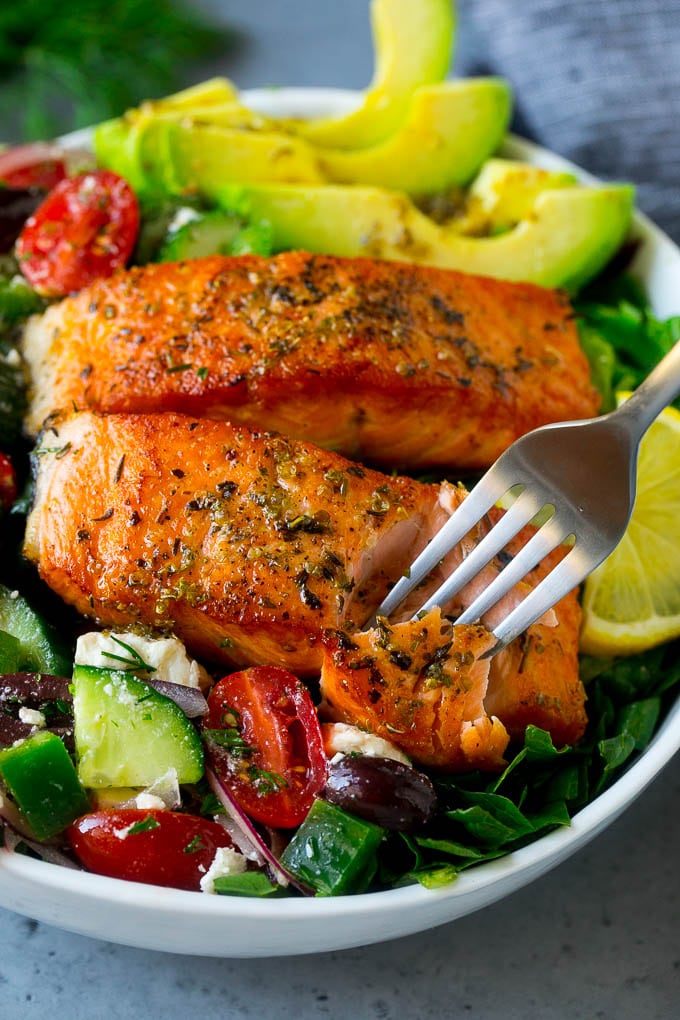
point(254, 548)
point(404, 366)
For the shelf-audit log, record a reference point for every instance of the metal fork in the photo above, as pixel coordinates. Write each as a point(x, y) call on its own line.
point(580, 473)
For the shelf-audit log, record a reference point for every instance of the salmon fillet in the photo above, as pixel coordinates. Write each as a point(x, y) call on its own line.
point(401, 365)
point(247, 544)
point(254, 548)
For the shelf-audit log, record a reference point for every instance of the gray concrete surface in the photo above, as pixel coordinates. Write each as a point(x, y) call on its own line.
point(597, 938)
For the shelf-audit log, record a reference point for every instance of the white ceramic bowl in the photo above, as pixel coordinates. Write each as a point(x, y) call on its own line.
point(181, 922)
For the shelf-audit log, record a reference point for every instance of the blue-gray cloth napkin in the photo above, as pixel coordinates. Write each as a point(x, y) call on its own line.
point(597, 81)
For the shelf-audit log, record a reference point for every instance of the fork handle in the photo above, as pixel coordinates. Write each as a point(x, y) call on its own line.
point(658, 390)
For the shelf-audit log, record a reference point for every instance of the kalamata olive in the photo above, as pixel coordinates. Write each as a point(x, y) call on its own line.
point(381, 790)
point(16, 205)
point(38, 692)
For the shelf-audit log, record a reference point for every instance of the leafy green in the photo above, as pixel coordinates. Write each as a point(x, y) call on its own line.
point(17, 300)
point(12, 400)
point(250, 883)
point(71, 65)
point(620, 335)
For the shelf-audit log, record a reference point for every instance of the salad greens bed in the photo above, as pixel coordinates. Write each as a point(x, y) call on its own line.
point(480, 817)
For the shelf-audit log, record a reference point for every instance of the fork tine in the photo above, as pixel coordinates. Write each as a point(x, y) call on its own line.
point(547, 538)
point(486, 493)
point(520, 513)
point(568, 573)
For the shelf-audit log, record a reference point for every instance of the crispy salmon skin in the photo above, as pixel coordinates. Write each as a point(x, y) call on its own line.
point(404, 366)
point(258, 549)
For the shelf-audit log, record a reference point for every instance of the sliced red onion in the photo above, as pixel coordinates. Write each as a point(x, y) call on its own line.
point(190, 699)
point(10, 814)
point(248, 839)
point(45, 851)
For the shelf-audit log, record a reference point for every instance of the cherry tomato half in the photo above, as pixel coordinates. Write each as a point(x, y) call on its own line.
point(157, 847)
point(85, 229)
point(264, 735)
point(38, 165)
point(8, 482)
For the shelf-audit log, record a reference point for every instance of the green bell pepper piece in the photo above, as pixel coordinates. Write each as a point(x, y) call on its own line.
point(42, 781)
point(333, 851)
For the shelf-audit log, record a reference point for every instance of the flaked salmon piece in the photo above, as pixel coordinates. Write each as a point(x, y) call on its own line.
point(251, 547)
point(422, 685)
point(401, 365)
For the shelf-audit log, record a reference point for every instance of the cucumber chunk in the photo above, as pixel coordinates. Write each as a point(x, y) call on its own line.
point(213, 233)
point(127, 734)
point(10, 653)
point(41, 648)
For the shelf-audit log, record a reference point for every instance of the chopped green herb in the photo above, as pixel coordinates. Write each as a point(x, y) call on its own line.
point(144, 825)
point(133, 660)
point(230, 740)
point(195, 845)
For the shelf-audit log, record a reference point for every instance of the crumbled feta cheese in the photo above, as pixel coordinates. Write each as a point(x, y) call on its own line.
point(226, 862)
point(341, 738)
point(167, 656)
point(148, 802)
point(32, 717)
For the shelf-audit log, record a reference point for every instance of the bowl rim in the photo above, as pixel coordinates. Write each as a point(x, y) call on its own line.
point(475, 887)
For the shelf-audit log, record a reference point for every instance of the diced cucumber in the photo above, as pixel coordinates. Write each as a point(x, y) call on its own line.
point(127, 734)
point(333, 851)
point(41, 778)
point(42, 649)
point(10, 653)
point(196, 234)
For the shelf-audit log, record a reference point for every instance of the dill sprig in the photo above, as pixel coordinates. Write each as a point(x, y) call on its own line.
point(72, 64)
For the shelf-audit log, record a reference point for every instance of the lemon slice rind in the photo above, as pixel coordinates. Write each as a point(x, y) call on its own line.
point(631, 602)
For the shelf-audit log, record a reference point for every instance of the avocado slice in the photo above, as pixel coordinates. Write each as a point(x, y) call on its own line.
point(503, 193)
point(567, 236)
point(449, 131)
point(413, 45)
point(213, 92)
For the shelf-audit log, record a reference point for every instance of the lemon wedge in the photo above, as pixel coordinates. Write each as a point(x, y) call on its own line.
point(631, 602)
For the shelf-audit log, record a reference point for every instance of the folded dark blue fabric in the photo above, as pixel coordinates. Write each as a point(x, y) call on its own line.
point(598, 81)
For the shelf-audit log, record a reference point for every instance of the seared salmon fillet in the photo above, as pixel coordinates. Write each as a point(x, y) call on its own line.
point(401, 365)
point(247, 544)
point(252, 547)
